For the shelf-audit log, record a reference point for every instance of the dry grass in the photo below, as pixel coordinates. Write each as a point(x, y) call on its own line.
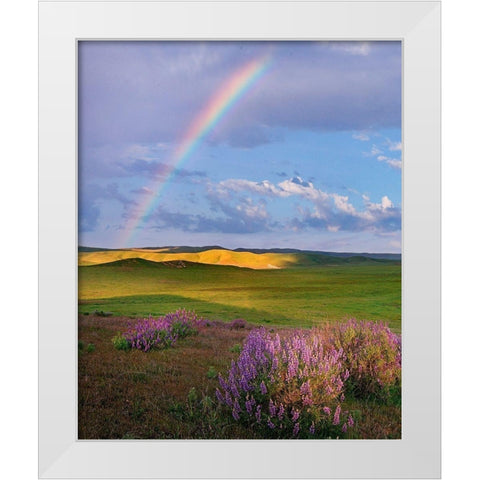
point(144, 395)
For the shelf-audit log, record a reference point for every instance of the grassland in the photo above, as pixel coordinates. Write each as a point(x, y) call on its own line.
point(148, 395)
point(300, 296)
point(137, 395)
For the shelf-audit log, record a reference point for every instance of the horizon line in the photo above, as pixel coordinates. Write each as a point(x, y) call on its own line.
point(243, 248)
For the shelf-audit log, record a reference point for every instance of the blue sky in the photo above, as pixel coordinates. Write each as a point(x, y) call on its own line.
point(308, 157)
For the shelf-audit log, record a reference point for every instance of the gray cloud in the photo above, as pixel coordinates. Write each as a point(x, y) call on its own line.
point(232, 212)
point(91, 198)
point(151, 91)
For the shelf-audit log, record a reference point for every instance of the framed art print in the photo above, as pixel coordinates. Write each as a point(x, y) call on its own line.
point(242, 201)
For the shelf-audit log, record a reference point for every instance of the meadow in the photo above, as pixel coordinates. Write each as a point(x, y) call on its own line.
point(299, 296)
point(173, 390)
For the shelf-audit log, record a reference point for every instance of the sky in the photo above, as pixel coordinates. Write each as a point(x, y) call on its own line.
point(240, 144)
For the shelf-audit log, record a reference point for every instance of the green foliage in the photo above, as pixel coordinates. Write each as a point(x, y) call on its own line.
point(236, 348)
point(182, 329)
point(90, 347)
point(192, 396)
point(372, 355)
point(120, 342)
point(212, 373)
point(80, 345)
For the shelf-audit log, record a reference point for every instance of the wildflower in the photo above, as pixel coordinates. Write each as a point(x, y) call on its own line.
point(296, 429)
point(263, 388)
point(219, 396)
point(295, 415)
point(344, 428)
point(270, 424)
point(312, 428)
point(327, 410)
point(350, 421)
point(258, 414)
point(272, 409)
point(336, 417)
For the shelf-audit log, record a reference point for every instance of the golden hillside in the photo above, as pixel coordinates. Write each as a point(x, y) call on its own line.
point(258, 261)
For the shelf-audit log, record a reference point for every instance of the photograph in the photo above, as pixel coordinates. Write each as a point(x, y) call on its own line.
point(239, 235)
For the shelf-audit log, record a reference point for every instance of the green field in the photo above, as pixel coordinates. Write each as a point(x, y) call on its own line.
point(298, 296)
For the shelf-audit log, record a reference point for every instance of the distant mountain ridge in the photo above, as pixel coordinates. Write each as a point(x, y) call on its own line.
point(379, 256)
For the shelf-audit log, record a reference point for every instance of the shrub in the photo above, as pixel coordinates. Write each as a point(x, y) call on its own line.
point(160, 332)
point(287, 388)
point(120, 342)
point(371, 355)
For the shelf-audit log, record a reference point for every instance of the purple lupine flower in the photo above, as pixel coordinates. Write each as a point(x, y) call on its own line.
point(234, 390)
point(249, 406)
point(305, 388)
point(336, 417)
point(219, 396)
point(258, 413)
point(344, 428)
point(296, 429)
point(263, 388)
point(244, 384)
point(272, 409)
point(222, 382)
point(304, 364)
point(270, 424)
point(350, 421)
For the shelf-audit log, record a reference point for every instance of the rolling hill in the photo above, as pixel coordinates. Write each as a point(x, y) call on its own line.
point(258, 259)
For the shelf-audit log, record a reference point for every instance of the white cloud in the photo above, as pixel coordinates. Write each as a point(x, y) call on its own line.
point(395, 146)
point(361, 136)
point(352, 48)
point(384, 205)
point(238, 185)
point(341, 202)
point(328, 211)
point(394, 163)
point(297, 186)
point(375, 150)
point(251, 210)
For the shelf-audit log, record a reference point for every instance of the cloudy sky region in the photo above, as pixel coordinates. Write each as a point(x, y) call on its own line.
point(305, 154)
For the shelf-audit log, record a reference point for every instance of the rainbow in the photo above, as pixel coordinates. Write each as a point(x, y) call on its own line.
point(213, 111)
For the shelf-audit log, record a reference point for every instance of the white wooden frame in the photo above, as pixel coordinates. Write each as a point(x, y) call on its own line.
point(417, 25)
